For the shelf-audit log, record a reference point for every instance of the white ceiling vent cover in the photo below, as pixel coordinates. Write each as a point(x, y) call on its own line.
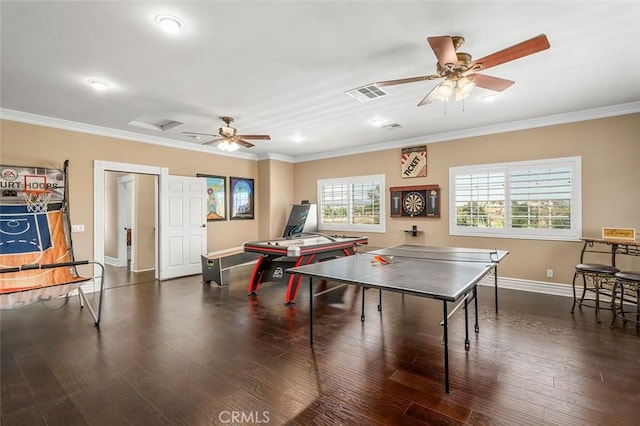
point(154, 123)
point(366, 93)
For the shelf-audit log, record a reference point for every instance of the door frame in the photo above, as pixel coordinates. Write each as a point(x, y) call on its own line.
point(99, 167)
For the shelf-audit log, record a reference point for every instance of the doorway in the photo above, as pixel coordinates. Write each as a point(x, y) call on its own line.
point(179, 224)
point(104, 217)
point(130, 213)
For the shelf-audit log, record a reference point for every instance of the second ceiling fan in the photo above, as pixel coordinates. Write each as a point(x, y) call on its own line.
point(460, 73)
point(228, 137)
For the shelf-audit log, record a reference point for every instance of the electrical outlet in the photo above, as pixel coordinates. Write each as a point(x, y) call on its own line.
point(77, 228)
point(549, 273)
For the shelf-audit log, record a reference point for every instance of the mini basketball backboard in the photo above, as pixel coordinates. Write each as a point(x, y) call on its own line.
point(15, 181)
point(34, 183)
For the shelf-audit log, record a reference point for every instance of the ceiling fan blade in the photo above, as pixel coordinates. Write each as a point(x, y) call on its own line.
point(243, 143)
point(431, 96)
point(444, 50)
point(198, 134)
point(406, 80)
point(525, 48)
point(496, 84)
point(259, 137)
point(212, 141)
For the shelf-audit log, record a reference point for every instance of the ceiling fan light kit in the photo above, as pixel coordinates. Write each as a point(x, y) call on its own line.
point(225, 145)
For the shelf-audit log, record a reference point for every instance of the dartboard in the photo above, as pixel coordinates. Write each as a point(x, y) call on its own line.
point(413, 203)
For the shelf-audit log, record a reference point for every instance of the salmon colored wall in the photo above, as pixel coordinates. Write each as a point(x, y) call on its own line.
point(111, 214)
point(145, 223)
point(276, 179)
point(610, 150)
point(264, 170)
point(281, 196)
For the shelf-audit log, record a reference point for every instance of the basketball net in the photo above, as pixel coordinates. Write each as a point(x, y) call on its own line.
point(37, 201)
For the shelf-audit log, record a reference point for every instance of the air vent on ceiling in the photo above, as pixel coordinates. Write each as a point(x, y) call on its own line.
point(366, 93)
point(391, 126)
point(155, 123)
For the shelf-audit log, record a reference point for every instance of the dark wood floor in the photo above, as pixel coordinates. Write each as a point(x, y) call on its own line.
point(180, 353)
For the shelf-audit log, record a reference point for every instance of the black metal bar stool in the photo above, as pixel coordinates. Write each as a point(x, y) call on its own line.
point(628, 283)
point(601, 277)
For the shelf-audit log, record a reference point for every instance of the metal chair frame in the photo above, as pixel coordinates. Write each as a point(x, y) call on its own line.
point(629, 293)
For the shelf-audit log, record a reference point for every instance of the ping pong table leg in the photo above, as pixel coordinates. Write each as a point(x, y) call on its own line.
point(310, 311)
point(379, 300)
point(495, 284)
point(467, 342)
point(445, 322)
point(475, 301)
point(364, 289)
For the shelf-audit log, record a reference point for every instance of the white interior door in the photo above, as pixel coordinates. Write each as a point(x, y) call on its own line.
point(183, 225)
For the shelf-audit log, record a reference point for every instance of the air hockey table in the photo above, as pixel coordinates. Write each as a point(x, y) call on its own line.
point(279, 254)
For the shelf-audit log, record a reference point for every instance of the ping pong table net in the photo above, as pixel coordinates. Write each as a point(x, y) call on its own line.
point(442, 254)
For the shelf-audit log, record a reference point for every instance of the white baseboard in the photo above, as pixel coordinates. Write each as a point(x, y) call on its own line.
point(532, 286)
point(142, 270)
point(113, 261)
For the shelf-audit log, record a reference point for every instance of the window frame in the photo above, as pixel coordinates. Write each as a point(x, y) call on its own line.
point(573, 234)
point(350, 181)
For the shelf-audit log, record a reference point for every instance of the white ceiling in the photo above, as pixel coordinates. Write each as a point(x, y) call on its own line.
point(282, 68)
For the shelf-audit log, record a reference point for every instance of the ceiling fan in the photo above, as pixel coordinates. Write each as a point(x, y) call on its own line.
point(228, 137)
point(460, 73)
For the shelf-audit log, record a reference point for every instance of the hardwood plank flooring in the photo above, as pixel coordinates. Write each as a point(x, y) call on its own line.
point(182, 353)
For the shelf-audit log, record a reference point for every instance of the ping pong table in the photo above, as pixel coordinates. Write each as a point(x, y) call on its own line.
point(448, 274)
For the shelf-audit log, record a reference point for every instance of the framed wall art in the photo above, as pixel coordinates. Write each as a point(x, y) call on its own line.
point(414, 162)
point(242, 196)
point(216, 197)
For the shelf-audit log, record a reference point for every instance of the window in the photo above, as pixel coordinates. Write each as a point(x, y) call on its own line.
point(528, 199)
point(351, 204)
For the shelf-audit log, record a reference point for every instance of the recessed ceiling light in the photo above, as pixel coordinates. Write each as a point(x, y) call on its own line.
point(98, 84)
point(489, 98)
point(169, 24)
point(297, 138)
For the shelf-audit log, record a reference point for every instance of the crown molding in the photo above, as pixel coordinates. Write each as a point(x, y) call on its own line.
point(531, 123)
point(74, 126)
point(279, 157)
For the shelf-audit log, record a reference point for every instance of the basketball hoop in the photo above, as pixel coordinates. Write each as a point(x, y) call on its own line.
point(35, 193)
point(37, 201)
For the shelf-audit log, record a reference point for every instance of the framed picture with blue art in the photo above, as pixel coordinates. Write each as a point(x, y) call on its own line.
point(216, 197)
point(241, 198)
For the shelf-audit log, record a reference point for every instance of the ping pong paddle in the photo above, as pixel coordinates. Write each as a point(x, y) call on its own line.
point(383, 260)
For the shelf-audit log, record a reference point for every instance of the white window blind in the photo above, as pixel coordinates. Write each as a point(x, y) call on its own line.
point(531, 199)
point(351, 204)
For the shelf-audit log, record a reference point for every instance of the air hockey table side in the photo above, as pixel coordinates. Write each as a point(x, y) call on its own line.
point(279, 254)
